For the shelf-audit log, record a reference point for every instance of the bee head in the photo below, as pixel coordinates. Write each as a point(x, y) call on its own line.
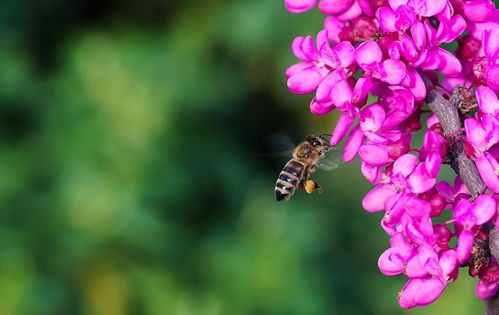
point(319, 142)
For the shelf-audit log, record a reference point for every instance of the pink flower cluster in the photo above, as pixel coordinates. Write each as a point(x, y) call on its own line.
point(374, 62)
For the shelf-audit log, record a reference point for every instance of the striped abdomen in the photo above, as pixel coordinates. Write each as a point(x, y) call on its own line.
point(289, 178)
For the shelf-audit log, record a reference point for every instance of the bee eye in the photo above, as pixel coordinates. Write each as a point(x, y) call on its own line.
point(316, 143)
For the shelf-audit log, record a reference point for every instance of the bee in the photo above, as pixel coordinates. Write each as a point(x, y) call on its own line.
point(296, 173)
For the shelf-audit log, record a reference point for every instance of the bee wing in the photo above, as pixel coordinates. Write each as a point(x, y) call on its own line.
point(327, 164)
point(280, 154)
point(330, 162)
point(279, 142)
point(279, 145)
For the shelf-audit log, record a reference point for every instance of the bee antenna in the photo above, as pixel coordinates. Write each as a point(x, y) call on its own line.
point(325, 136)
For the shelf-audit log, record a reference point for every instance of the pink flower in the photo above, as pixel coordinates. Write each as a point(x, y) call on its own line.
point(422, 291)
point(323, 70)
point(370, 58)
point(422, 8)
point(468, 215)
point(391, 20)
point(386, 58)
point(408, 177)
point(299, 6)
point(485, 291)
point(488, 167)
point(344, 9)
point(478, 10)
point(487, 101)
point(489, 67)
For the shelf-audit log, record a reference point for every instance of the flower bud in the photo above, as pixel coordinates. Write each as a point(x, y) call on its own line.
point(436, 201)
point(364, 28)
point(468, 47)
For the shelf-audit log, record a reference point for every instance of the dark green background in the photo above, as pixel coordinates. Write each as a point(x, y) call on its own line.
point(131, 181)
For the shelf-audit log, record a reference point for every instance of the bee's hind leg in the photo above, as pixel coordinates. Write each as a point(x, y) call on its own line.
point(310, 186)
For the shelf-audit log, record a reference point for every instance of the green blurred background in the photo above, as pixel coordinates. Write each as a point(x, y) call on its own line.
point(130, 134)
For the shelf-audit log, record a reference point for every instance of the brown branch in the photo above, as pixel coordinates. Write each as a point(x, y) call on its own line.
point(448, 116)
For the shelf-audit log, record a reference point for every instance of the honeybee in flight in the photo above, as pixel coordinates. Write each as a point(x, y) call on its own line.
point(296, 173)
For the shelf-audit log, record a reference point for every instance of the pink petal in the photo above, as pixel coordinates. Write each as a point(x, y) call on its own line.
point(399, 242)
point(345, 53)
point(405, 164)
point(485, 291)
point(322, 40)
point(353, 12)
point(413, 231)
point(431, 7)
point(461, 209)
point(394, 4)
point(431, 33)
point(367, 53)
point(414, 268)
point(484, 208)
point(432, 163)
point(429, 258)
point(299, 6)
point(487, 100)
point(490, 46)
point(344, 123)
point(405, 17)
point(393, 71)
point(478, 10)
point(492, 77)
point(375, 199)
point(298, 68)
point(373, 154)
point(450, 30)
point(394, 206)
point(416, 207)
point(477, 30)
point(388, 266)
point(372, 118)
point(449, 64)
point(321, 108)
point(361, 90)
point(333, 27)
point(419, 292)
point(367, 7)
point(326, 85)
point(341, 93)
point(400, 105)
point(448, 261)
point(305, 81)
point(420, 181)
point(371, 173)
point(419, 35)
point(445, 190)
point(335, 7)
point(432, 61)
point(464, 244)
point(414, 83)
point(408, 47)
point(488, 169)
point(303, 48)
point(474, 132)
point(353, 143)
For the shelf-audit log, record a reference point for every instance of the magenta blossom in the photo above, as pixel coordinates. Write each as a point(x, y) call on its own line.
point(376, 62)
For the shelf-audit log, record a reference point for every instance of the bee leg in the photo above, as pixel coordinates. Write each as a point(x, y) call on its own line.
point(310, 186)
point(318, 188)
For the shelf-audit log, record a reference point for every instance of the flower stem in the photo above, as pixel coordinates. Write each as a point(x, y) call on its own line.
point(448, 116)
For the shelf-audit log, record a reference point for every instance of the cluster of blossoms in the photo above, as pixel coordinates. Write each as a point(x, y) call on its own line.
point(374, 62)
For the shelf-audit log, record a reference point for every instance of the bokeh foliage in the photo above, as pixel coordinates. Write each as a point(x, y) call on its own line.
point(130, 134)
